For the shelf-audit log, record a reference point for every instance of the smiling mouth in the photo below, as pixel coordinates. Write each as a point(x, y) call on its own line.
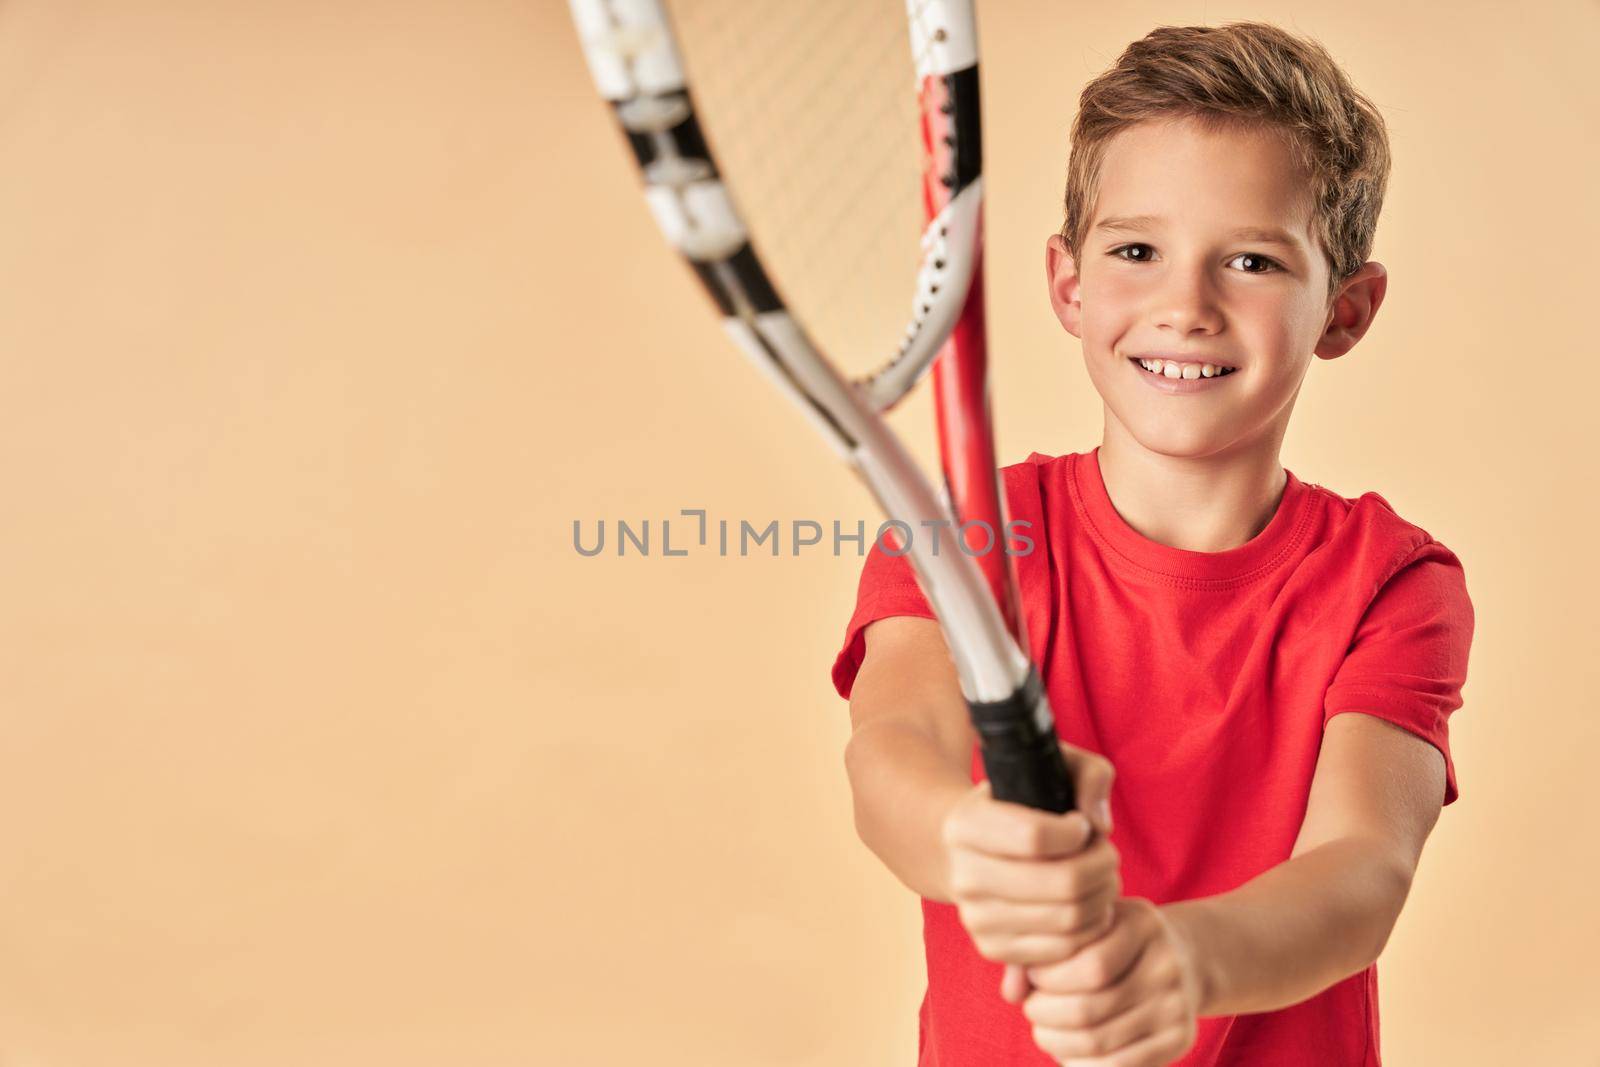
point(1171, 368)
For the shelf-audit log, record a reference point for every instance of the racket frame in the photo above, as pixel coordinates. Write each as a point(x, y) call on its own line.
point(636, 66)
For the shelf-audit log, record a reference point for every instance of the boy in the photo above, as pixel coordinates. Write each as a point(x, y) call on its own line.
point(1266, 666)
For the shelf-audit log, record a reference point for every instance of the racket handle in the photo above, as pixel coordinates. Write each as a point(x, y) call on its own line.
point(1021, 753)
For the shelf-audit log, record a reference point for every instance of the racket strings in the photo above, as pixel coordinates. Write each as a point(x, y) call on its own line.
point(812, 112)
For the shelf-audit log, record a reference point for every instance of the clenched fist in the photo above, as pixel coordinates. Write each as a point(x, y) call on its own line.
point(1033, 887)
point(1127, 1000)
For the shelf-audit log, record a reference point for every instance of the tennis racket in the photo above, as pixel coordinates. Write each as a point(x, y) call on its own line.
point(848, 183)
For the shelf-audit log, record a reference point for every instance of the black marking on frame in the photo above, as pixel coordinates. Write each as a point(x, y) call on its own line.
point(707, 273)
point(644, 147)
point(754, 286)
point(688, 140)
point(961, 89)
point(754, 281)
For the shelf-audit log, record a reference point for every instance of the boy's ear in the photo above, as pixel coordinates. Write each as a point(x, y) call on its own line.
point(1354, 306)
point(1061, 275)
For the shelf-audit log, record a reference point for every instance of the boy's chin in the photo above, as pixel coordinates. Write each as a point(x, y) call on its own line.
point(1181, 439)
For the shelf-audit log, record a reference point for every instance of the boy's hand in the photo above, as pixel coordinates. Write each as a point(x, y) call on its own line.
point(1033, 887)
point(1129, 999)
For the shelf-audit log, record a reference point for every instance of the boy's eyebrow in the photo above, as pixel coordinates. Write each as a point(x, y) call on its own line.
point(1138, 223)
point(1127, 222)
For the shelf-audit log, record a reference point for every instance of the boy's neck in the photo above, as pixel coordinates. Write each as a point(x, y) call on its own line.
point(1201, 505)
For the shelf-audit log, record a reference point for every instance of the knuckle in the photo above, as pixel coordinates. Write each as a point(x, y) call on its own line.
point(1075, 1010)
point(1179, 1040)
point(1097, 970)
point(1099, 914)
point(1104, 921)
point(1070, 918)
point(1076, 944)
point(1035, 950)
point(1097, 1041)
point(1051, 1041)
point(990, 918)
point(1086, 829)
point(1103, 854)
point(1056, 948)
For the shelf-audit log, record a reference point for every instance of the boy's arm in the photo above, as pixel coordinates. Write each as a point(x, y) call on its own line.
point(1317, 917)
point(1327, 911)
point(910, 743)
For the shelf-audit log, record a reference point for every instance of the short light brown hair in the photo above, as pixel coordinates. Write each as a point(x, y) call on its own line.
point(1251, 74)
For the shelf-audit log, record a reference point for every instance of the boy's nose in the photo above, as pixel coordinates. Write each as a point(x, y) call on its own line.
point(1187, 304)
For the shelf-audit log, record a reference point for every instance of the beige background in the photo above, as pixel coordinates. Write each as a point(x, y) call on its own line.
point(321, 320)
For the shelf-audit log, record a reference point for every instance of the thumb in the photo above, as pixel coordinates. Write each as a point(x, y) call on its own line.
point(1092, 775)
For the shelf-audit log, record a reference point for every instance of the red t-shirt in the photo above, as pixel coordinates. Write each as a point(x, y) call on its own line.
point(1206, 678)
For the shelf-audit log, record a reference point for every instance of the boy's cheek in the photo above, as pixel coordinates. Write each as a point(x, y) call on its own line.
point(1110, 327)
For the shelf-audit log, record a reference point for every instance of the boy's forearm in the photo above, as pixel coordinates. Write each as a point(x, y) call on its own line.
point(903, 786)
point(1296, 929)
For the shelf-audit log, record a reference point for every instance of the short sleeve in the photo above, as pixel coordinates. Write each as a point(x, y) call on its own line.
point(888, 587)
point(1408, 660)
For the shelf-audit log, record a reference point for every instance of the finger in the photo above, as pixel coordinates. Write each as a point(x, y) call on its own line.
point(1100, 965)
point(977, 875)
point(1014, 987)
point(1000, 828)
point(990, 916)
point(1143, 1020)
point(1027, 951)
point(1157, 1050)
point(1081, 1011)
point(1092, 775)
point(1032, 950)
point(1078, 1011)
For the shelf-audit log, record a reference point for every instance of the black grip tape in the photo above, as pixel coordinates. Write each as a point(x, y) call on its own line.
point(1024, 763)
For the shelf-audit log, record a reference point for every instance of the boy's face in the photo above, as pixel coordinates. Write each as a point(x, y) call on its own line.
point(1200, 251)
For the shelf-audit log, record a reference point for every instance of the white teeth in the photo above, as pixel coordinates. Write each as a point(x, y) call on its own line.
point(1170, 369)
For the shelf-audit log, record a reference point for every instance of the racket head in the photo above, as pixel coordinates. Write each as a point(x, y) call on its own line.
point(822, 159)
point(820, 167)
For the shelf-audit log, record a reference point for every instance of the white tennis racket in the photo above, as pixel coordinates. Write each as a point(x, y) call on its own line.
point(839, 233)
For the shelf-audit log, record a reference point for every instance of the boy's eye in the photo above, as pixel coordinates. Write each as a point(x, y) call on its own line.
point(1260, 264)
point(1143, 258)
